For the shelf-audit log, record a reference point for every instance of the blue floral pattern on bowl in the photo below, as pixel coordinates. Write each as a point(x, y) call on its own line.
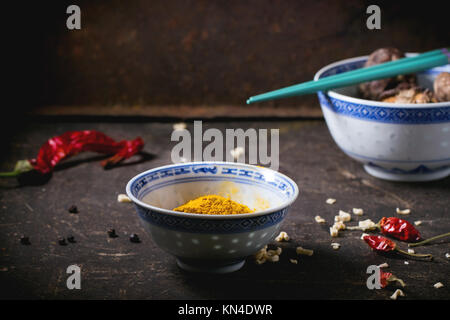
point(211, 226)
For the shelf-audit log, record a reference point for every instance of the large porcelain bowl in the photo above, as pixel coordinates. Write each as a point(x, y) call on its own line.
point(401, 142)
point(212, 243)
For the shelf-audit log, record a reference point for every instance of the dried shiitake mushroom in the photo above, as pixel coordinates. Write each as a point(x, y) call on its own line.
point(375, 90)
point(413, 95)
point(441, 87)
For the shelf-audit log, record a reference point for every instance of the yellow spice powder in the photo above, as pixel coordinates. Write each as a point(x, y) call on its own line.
point(213, 204)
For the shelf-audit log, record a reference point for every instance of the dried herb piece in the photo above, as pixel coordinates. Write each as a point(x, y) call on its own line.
point(62, 242)
point(71, 239)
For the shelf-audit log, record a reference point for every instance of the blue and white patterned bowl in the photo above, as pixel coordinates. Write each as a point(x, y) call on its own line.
point(400, 142)
point(212, 243)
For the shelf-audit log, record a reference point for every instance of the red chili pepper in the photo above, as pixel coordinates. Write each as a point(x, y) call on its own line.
point(399, 228)
point(379, 243)
point(74, 142)
point(384, 276)
point(382, 244)
point(387, 278)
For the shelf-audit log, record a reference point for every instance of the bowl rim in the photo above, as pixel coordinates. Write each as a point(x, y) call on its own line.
point(354, 100)
point(212, 216)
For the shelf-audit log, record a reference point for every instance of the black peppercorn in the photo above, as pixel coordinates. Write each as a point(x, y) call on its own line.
point(73, 209)
point(62, 242)
point(112, 233)
point(25, 241)
point(71, 239)
point(135, 238)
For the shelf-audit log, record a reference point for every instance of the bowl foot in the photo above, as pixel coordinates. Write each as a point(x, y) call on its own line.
point(424, 175)
point(210, 267)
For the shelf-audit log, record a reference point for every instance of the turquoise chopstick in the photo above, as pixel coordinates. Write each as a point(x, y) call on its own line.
point(402, 66)
point(363, 70)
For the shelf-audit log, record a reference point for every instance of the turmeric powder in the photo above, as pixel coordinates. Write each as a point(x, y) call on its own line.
point(213, 204)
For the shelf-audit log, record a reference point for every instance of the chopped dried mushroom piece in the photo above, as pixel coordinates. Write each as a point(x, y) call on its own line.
point(343, 216)
point(264, 255)
point(411, 251)
point(261, 253)
point(365, 225)
point(406, 262)
point(397, 293)
point(358, 211)
point(319, 219)
point(447, 255)
point(330, 201)
point(294, 261)
point(179, 126)
point(283, 236)
point(274, 252)
point(404, 211)
point(123, 198)
point(334, 232)
point(438, 285)
point(363, 235)
point(306, 252)
point(339, 225)
point(418, 222)
point(383, 265)
point(237, 152)
point(335, 245)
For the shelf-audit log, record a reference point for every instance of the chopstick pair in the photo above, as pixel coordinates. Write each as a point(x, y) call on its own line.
point(420, 62)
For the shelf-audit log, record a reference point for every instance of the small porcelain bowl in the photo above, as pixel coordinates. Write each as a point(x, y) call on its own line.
point(211, 243)
point(400, 142)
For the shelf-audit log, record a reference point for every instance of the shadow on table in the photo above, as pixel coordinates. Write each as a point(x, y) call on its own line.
point(34, 178)
point(311, 278)
point(137, 159)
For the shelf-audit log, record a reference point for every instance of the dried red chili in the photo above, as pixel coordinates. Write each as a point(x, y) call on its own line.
point(405, 231)
point(387, 278)
point(74, 142)
point(384, 276)
point(382, 244)
point(399, 228)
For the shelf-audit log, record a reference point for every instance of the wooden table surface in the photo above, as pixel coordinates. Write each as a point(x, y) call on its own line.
point(119, 269)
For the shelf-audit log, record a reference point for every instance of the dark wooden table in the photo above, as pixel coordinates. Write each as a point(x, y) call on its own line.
point(119, 269)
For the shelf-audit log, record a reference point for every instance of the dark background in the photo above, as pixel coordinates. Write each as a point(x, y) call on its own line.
point(135, 54)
